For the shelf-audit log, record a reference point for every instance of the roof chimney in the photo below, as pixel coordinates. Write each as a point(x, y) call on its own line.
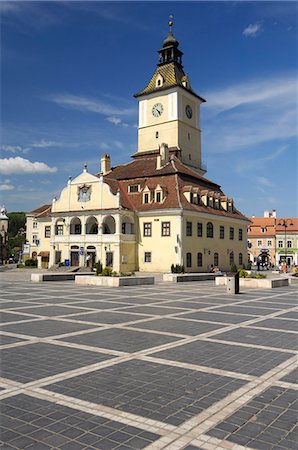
point(105, 164)
point(163, 157)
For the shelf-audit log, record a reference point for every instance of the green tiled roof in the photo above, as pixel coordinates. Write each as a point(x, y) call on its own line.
point(172, 74)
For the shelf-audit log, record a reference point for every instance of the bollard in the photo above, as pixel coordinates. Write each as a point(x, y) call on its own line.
point(233, 283)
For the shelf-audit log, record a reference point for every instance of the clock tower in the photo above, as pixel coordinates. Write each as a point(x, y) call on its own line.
point(169, 109)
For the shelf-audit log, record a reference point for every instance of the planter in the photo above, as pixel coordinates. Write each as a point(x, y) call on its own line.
point(184, 277)
point(265, 283)
point(52, 276)
point(88, 280)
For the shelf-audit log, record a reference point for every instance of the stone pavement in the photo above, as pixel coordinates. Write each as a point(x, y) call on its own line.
point(155, 367)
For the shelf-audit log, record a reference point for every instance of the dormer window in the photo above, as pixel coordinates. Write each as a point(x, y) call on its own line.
point(158, 197)
point(159, 81)
point(146, 198)
point(133, 188)
point(159, 194)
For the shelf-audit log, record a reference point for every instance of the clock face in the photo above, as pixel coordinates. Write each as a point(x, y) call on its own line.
point(188, 111)
point(157, 110)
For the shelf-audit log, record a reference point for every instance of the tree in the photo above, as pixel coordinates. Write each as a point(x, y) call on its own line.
point(16, 223)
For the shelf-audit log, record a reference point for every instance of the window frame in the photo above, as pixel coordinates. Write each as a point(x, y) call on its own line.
point(240, 234)
point(166, 229)
point(199, 229)
point(188, 259)
point(47, 231)
point(221, 232)
point(209, 230)
point(232, 233)
point(188, 228)
point(199, 259)
point(147, 257)
point(147, 229)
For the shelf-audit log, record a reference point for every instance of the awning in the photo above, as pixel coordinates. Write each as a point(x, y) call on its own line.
point(44, 254)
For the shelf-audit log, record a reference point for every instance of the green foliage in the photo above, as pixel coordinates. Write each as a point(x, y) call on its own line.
point(31, 262)
point(16, 223)
point(126, 274)
point(233, 268)
point(257, 275)
point(108, 272)
point(98, 267)
point(243, 273)
point(177, 268)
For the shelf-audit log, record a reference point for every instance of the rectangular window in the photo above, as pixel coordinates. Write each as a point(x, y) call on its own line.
point(200, 229)
point(35, 225)
point(269, 243)
point(188, 228)
point(147, 230)
point(289, 244)
point(133, 188)
point(158, 197)
point(165, 228)
point(280, 244)
point(260, 243)
point(34, 239)
point(146, 198)
point(47, 231)
point(240, 234)
point(147, 257)
point(231, 233)
point(59, 230)
point(221, 232)
point(188, 259)
point(77, 228)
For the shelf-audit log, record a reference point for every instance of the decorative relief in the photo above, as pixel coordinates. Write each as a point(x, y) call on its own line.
point(84, 193)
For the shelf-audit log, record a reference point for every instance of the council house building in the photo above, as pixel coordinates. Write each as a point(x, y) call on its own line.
point(158, 209)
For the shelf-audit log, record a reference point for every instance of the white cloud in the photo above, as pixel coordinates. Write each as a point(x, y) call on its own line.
point(84, 104)
point(21, 165)
point(247, 114)
point(273, 90)
point(43, 143)
point(117, 121)
point(252, 30)
point(264, 181)
point(114, 120)
point(6, 187)
point(258, 163)
point(15, 148)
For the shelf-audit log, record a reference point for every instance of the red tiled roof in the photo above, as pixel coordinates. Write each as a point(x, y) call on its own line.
point(292, 225)
point(42, 211)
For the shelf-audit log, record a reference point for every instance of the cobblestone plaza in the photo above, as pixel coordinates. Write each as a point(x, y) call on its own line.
point(156, 367)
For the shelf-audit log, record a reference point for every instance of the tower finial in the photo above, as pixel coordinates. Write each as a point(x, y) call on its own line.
point(170, 22)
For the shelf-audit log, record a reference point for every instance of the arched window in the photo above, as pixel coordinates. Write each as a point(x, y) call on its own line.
point(75, 226)
point(109, 225)
point(91, 226)
point(188, 259)
point(200, 259)
point(216, 259)
point(231, 258)
point(209, 230)
point(127, 226)
point(240, 259)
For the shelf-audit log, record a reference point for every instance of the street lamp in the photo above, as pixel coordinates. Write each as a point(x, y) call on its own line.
point(285, 223)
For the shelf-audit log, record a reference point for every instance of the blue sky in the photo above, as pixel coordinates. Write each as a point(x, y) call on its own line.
point(70, 69)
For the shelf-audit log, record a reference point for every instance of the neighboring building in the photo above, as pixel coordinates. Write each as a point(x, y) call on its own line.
point(158, 209)
point(273, 240)
point(287, 241)
point(4, 251)
point(261, 239)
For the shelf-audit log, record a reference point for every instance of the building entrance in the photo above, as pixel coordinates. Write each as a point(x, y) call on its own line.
point(74, 258)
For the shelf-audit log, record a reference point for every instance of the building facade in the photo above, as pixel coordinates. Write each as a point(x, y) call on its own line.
point(273, 240)
point(154, 211)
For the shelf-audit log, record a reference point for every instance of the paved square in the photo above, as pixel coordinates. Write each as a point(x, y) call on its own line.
point(35, 361)
point(158, 367)
point(156, 391)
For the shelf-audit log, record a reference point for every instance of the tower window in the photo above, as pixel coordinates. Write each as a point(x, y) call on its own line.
point(189, 156)
point(188, 135)
point(158, 82)
point(156, 134)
